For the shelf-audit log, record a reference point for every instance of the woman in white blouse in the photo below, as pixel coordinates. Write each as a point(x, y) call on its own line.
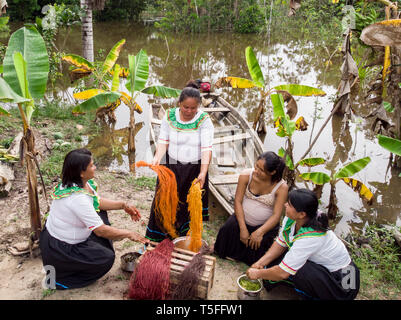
point(307, 255)
point(184, 146)
point(76, 239)
point(259, 205)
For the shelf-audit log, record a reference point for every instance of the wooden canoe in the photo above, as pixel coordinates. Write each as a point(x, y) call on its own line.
point(236, 146)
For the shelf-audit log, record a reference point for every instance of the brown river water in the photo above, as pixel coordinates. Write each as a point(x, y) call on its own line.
point(175, 59)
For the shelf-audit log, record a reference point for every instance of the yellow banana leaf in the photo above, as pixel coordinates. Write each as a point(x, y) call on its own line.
point(116, 78)
point(124, 72)
point(79, 73)
point(301, 124)
point(78, 61)
point(359, 187)
point(112, 56)
point(113, 106)
point(87, 94)
point(235, 82)
point(128, 100)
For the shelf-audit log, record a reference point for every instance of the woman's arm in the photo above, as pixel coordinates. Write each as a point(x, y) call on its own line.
point(274, 273)
point(278, 208)
point(206, 157)
point(107, 204)
point(273, 253)
point(112, 233)
point(238, 209)
point(161, 149)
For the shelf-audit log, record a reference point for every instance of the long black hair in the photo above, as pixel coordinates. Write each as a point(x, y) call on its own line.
point(191, 90)
point(306, 201)
point(75, 162)
point(273, 162)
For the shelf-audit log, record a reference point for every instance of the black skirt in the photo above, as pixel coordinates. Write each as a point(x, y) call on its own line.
point(315, 282)
point(228, 243)
point(184, 174)
point(77, 265)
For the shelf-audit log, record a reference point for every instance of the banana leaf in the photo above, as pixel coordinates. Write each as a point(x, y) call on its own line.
point(162, 91)
point(288, 160)
point(300, 90)
point(87, 94)
point(352, 168)
point(235, 82)
point(8, 95)
point(97, 101)
point(390, 144)
point(127, 100)
point(112, 57)
point(278, 105)
point(311, 162)
point(358, 186)
point(31, 45)
point(78, 61)
point(138, 71)
point(115, 83)
point(253, 67)
point(316, 177)
point(301, 124)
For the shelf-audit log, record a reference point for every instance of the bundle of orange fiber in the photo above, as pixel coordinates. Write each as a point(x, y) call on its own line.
point(166, 201)
point(151, 277)
point(194, 200)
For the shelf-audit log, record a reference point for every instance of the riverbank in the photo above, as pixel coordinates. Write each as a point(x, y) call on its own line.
point(21, 276)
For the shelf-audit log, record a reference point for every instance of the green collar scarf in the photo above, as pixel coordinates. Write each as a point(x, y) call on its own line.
point(63, 193)
point(193, 126)
point(303, 232)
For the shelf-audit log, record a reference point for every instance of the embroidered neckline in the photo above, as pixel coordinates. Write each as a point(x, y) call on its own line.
point(59, 193)
point(175, 124)
point(303, 232)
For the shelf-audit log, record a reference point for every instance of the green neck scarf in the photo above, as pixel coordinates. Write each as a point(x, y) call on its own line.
point(59, 193)
point(303, 232)
point(193, 126)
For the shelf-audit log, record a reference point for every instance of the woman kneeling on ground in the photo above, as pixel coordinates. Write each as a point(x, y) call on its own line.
point(307, 256)
point(259, 204)
point(76, 239)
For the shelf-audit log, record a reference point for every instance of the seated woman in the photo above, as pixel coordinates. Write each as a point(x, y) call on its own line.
point(76, 239)
point(308, 256)
point(259, 203)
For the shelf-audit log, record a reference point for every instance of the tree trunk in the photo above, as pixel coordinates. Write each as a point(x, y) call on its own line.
point(131, 140)
point(87, 31)
point(29, 154)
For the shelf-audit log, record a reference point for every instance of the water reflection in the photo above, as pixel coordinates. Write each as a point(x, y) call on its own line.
point(174, 59)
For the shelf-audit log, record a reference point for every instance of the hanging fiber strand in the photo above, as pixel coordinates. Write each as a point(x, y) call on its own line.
point(188, 281)
point(166, 201)
point(194, 200)
point(151, 277)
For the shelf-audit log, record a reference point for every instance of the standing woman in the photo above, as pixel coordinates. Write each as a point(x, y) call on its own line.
point(76, 239)
point(307, 255)
point(258, 206)
point(185, 147)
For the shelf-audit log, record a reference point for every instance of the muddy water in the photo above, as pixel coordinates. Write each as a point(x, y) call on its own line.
point(176, 59)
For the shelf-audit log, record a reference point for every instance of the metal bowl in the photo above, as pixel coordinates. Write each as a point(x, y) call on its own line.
point(183, 243)
point(129, 261)
point(244, 294)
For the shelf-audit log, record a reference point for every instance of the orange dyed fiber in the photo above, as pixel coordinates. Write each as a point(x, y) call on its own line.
point(166, 197)
point(194, 200)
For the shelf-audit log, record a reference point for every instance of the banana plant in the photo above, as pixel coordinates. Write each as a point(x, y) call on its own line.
point(390, 144)
point(25, 71)
point(137, 79)
point(258, 81)
point(344, 174)
point(106, 97)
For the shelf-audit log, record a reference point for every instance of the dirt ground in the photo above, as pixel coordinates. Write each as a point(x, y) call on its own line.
point(21, 276)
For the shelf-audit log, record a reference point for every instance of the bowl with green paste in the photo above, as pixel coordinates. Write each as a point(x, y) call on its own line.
point(248, 289)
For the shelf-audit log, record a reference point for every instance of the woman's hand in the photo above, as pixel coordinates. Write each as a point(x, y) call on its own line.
point(244, 236)
point(257, 265)
point(155, 161)
point(138, 238)
point(255, 239)
point(201, 179)
point(132, 211)
point(252, 273)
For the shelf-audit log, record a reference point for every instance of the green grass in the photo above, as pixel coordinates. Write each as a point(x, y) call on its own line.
point(378, 257)
point(142, 182)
